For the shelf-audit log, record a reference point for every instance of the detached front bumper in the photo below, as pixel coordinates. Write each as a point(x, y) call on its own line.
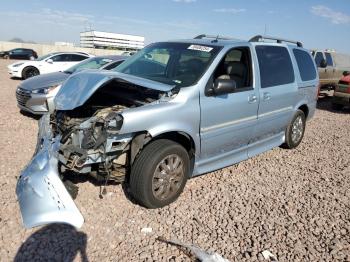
point(42, 196)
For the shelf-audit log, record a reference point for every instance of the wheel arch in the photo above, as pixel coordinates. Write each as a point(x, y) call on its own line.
point(142, 139)
point(305, 109)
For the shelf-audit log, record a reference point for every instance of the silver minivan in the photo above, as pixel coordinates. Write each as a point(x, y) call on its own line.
point(172, 111)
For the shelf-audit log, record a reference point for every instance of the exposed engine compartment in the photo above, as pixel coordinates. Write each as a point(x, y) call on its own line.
point(90, 139)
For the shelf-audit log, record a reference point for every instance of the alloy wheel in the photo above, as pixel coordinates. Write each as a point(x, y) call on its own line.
point(168, 177)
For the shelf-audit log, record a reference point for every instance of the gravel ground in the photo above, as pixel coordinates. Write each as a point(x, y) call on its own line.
point(294, 203)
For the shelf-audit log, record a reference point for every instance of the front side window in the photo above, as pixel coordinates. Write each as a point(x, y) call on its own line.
point(61, 58)
point(92, 63)
point(237, 66)
point(17, 51)
point(180, 64)
point(41, 58)
point(329, 59)
point(305, 64)
point(113, 65)
point(318, 58)
point(275, 66)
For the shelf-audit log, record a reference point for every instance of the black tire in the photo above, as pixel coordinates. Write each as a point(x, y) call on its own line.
point(6, 57)
point(142, 176)
point(30, 71)
point(337, 106)
point(291, 141)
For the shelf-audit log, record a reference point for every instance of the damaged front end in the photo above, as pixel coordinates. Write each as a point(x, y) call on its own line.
point(82, 137)
point(93, 146)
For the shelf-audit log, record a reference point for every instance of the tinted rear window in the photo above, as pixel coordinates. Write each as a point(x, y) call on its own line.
point(318, 58)
point(305, 64)
point(77, 58)
point(329, 59)
point(275, 66)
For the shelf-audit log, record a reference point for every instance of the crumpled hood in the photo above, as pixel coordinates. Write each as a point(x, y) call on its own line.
point(81, 86)
point(42, 81)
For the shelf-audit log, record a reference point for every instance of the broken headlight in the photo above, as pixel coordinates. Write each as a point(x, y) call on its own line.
point(113, 121)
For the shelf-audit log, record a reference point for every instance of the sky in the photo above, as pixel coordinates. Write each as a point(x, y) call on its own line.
point(316, 23)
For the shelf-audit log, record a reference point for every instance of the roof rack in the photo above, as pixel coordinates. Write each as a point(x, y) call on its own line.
point(215, 37)
point(259, 38)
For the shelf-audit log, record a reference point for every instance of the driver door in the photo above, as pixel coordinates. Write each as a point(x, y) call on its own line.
point(228, 121)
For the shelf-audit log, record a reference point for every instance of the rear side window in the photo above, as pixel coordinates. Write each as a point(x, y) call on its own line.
point(329, 59)
point(318, 58)
point(77, 58)
point(275, 66)
point(305, 64)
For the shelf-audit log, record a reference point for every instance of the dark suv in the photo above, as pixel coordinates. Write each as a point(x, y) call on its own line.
point(19, 53)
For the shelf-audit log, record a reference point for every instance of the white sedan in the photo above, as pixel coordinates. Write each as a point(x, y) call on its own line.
point(50, 63)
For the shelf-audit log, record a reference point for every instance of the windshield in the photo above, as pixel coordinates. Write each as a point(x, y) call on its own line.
point(40, 58)
point(182, 64)
point(91, 63)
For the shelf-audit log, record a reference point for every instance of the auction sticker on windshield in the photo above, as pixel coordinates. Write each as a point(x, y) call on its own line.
point(200, 48)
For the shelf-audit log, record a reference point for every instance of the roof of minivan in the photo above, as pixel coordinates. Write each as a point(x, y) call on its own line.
point(224, 42)
point(210, 41)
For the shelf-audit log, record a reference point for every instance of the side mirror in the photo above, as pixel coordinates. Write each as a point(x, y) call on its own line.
point(223, 87)
point(323, 63)
point(149, 56)
point(50, 61)
point(346, 73)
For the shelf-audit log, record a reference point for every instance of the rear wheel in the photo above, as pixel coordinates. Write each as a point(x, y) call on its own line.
point(295, 130)
point(6, 57)
point(159, 174)
point(30, 72)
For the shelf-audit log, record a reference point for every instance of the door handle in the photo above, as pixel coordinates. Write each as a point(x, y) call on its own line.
point(266, 96)
point(252, 99)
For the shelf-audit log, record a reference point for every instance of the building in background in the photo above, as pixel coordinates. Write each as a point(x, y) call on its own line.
point(97, 39)
point(63, 44)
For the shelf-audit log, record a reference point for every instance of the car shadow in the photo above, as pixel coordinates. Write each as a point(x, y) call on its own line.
point(77, 179)
point(325, 103)
point(30, 115)
point(16, 78)
point(55, 242)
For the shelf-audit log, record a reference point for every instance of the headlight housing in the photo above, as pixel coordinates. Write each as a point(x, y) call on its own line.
point(45, 90)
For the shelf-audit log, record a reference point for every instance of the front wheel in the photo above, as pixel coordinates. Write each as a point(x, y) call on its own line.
point(30, 72)
point(295, 130)
point(159, 174)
